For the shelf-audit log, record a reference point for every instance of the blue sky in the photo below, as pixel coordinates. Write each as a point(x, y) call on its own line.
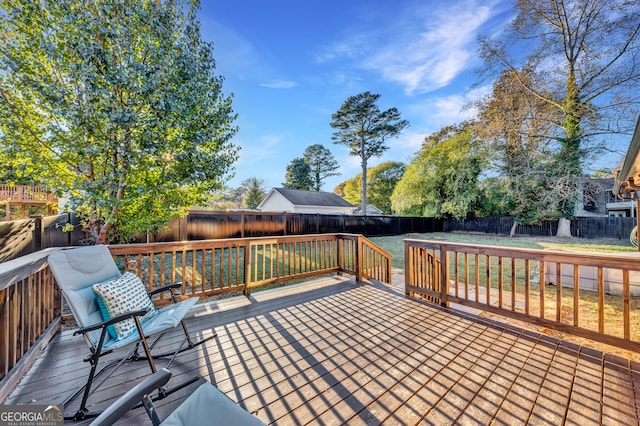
point(291, 63)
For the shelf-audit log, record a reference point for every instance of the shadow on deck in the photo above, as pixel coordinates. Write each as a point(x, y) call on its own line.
point(333, 351)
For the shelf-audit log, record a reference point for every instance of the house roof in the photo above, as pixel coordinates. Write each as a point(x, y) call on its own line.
point(370, 208)
point(299, 197)
point(628, 180)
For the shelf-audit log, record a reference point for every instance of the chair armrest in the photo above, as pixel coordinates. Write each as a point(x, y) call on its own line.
point(132, 398)
point(169, 287)
point(112, 320)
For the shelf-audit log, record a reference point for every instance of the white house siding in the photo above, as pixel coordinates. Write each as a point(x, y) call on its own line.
point(275, 202)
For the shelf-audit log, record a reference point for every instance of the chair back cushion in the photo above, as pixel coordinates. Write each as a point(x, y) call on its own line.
point(124, 294)
point(76, 270)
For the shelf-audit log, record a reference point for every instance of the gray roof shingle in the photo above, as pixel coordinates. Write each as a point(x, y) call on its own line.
point(312, 198)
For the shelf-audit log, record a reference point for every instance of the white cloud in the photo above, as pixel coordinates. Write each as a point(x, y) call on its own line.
point(279, 84)
point(435, 112)
point(425, 51)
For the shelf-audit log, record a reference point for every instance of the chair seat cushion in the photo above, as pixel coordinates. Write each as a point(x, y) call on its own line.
point(163, 319)
point(124, 294)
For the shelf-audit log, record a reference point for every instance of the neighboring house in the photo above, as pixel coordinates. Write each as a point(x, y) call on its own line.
point(371, 210)
point(299, 201)
point(598, 199)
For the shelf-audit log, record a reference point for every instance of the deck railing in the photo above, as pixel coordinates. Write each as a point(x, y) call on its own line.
point(30, 302)
point(596, 296)
point(30, 308)
point(26, 194)
point(211, 267)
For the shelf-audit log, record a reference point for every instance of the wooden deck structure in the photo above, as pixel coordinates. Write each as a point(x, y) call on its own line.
point(24, 196)
point(338, 351)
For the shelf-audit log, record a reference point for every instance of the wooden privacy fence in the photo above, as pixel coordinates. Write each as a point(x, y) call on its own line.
point(582, 227)
point(30, 302)
point(596, 296)
point(205, 225)
point(21, 237)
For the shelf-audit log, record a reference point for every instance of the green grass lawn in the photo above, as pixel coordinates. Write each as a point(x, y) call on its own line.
point(395, 244)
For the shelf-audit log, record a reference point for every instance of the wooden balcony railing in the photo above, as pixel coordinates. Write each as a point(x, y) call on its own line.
point(211, 267)
point(30, 302)
point(596, 296)
point(30, 308)
point(24, 194)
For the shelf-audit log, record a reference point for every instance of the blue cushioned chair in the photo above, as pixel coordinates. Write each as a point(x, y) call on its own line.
point(206, 406)
point(76, 270)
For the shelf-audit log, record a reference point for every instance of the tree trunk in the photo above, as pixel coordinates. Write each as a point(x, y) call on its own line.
point(564, 228)
point(512, 233)
point(364, 180)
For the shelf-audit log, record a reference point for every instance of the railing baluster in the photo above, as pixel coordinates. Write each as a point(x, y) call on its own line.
point(576, 295)
point(558, 292)
point(625, 297)
point(542, 285)
point(425, 274)
point(488, 278)
point(527, 286)
point(500, 281)
point(514, 284)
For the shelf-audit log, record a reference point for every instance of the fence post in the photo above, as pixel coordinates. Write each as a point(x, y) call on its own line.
point(38, 230)
point(242, 224)
point(70, 232)
point(284, 222)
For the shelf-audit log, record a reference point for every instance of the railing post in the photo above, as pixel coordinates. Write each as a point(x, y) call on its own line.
point(444, 277)
point(408, 270)
point(339, 242)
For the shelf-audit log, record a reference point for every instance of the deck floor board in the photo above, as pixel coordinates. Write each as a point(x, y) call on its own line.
point(333, 351)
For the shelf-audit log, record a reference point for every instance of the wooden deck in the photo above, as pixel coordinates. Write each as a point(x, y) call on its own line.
point(336, 352)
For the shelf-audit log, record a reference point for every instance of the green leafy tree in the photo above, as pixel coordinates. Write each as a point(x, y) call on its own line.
point(351, 189)
point(584, 57)
point(382, 179)
point(339, 189)
point(382, 182)
point(494, 198)
point(298, 175)
point(115, 105)
point(228, 200)
point(255, 192)
point(442, 179)
point(365, 129)
point(322, 165)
